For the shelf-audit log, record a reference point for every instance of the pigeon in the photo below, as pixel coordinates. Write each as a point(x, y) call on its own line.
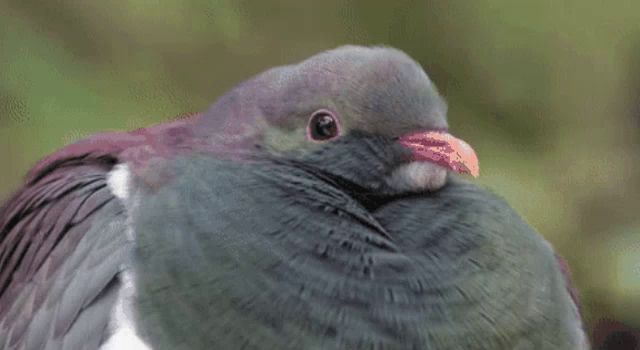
point(318, 205)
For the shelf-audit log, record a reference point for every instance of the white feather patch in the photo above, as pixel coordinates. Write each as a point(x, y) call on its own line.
point(418, 176)
point(122, 324)
point(119, 181)
point(125, 339)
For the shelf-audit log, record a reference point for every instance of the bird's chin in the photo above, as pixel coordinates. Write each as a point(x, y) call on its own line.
point(416, 177)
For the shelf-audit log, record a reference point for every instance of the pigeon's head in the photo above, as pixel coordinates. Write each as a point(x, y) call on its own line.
point(367, 115)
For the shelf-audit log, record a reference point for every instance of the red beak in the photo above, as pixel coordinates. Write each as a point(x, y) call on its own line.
point(444, 149)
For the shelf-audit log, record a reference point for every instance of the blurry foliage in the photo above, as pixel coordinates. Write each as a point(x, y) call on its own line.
point(548, 92)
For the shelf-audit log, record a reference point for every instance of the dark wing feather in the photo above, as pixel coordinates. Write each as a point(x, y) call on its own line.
point(62, 244)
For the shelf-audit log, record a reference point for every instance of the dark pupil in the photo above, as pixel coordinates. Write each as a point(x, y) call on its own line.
point(325, 127)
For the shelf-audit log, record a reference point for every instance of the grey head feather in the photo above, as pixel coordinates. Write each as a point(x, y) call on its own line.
point(378, 90)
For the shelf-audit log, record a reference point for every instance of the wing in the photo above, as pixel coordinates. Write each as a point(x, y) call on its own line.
point(62, 244)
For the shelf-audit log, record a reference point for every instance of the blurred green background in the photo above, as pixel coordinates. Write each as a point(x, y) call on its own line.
point(547, 91)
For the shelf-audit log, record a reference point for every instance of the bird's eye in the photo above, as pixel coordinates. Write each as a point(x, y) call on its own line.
point(323, 125)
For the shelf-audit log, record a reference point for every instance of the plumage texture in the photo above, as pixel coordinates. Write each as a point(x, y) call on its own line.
point(288, 261)
point(237, 231)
